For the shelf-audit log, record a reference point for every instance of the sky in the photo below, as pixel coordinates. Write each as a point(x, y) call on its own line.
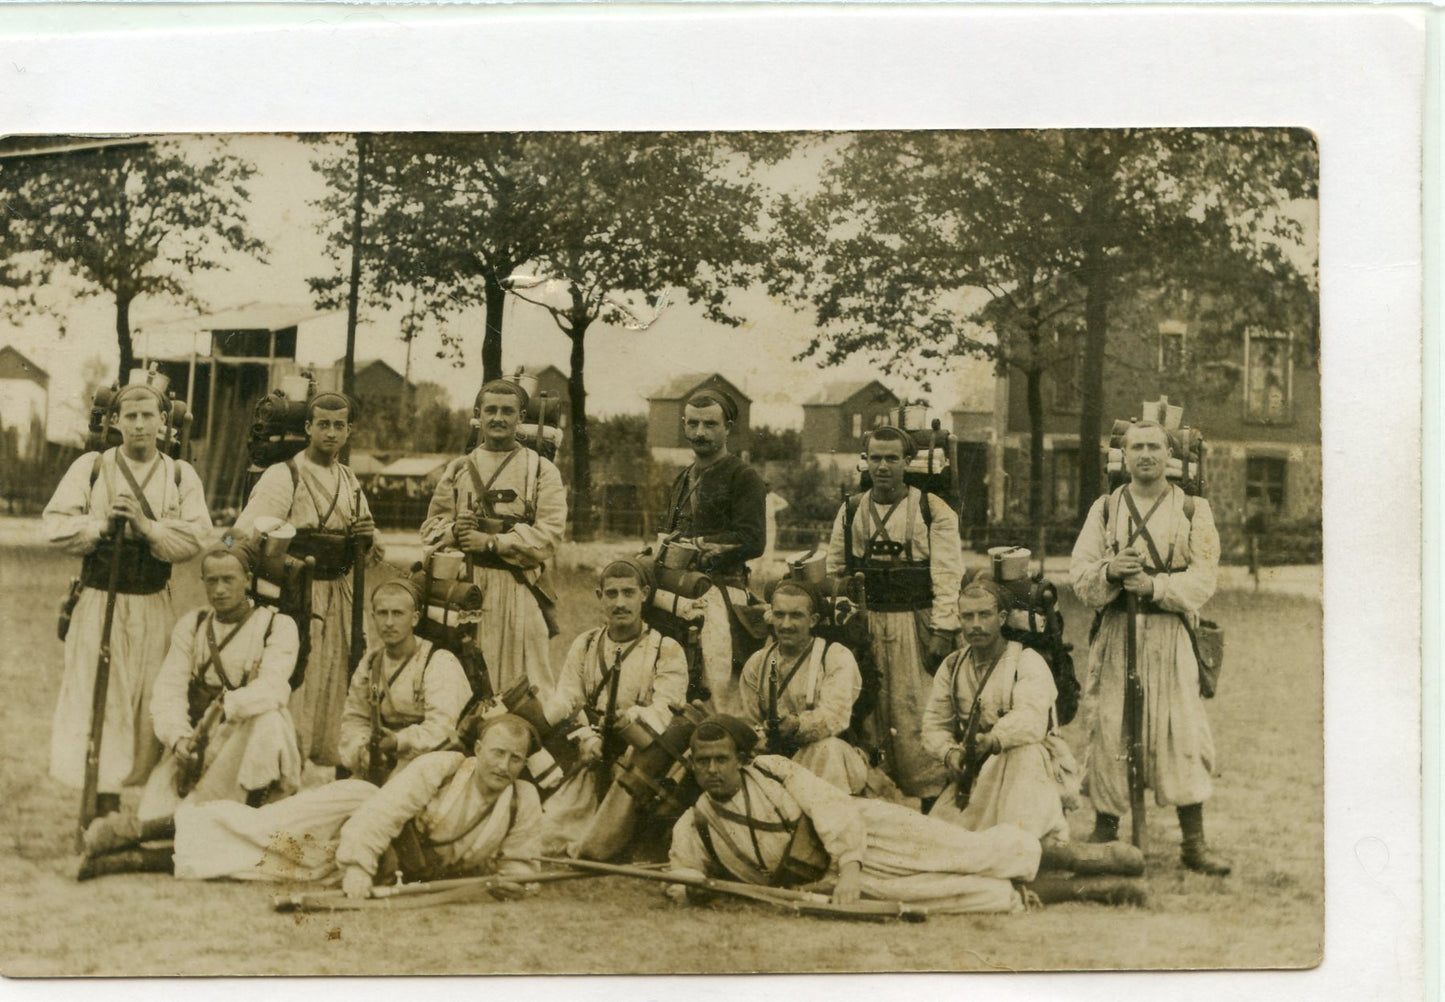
point(623, 365)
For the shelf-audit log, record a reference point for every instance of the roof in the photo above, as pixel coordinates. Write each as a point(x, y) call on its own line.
point(247, 317)
point(415, 466)
point(29, 146)
point(834, 394)
point(538, 370)
point(363, 364)
point(12, 359)
point(364, 464)
point(682, 385)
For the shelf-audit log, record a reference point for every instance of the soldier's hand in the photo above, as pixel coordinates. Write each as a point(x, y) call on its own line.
point(1140, 584)
point(129, 508)
point(788, 726)
point(988, 744)
point(185, 748)
point(364, 526)
point(1124, 565)
point(507, 891)
point(473, 541)
point(356, 883)
point(466, 519)
point(850, 884)
point(953, 761)
point(589, 749)
point(388, 743)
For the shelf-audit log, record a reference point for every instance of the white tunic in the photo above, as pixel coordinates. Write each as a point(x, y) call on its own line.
point(253, 746)
point(898, 638)
point(511, 633)
point(73, 521)
point(317, 703)
point(1178, 745)
point(904, 855)
point(421, 700)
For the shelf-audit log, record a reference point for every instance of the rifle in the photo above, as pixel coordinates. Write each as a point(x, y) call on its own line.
point(360, 544)
point(90, 792)
point(189, 769)
point(611, 740)
point(1134, 720)
point(972, 763)
point(417, 895)
point(791, 900)
point(376, 764)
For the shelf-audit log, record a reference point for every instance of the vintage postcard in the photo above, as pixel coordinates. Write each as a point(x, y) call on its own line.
point(664, 542)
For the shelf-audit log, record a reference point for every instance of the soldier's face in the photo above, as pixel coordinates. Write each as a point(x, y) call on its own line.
point(886, 463)
point(793, 618)
point(225, 582)
point(1146, 451)
point(329, 430)
point(621, 599)
point(717, 767)
point(981, 619)
point(139, 420)
point(500, 415)
point(501, 755)
point(706, 429)
point(394, 616)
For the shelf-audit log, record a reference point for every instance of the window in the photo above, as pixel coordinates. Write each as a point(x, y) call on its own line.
point(857, 425)
point(1264, 484)
point(1066, 480)
point(1268, 376)
point(1171, 346)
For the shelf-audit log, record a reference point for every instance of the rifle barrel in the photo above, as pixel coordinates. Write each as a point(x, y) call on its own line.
point(99, 696)
point(1134, 722)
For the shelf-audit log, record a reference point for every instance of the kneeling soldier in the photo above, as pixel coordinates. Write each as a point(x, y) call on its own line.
point(799, 692)
point(220, 702)
point(614, 676)
point(406, 694)
point(990, 721)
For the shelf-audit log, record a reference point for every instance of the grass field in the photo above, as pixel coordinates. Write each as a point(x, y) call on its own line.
point(1266, 816)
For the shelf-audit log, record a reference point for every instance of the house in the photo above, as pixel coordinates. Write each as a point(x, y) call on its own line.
point(1258, 408)
point(376, 382)
point(838, 417)
point(416, 476)
point(24, 406)
point(665, 436)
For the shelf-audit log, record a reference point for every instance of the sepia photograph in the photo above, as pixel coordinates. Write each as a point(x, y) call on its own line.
point(663, 551)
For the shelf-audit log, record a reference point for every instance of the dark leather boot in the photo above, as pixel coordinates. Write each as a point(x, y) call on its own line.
point(1106, 827)
point(1195, 854)
point(124, 830)
point(1119, 893)
point(127, 861)
point(1197, 857)
point(106, 803)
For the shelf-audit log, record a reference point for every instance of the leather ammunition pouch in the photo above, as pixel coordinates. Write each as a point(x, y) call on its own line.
point(332, 550)
point(1208, 641)
point(199, 697)
point(140, 573)
point(902, 588)
point(408, 855)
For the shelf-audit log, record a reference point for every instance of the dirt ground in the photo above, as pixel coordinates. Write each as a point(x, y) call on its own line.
point(1266, 816)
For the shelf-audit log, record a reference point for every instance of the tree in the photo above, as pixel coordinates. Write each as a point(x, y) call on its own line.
point(784, 445)
point(1015, 246)
point(628, 219)
point(130, 221)
point(443, 220)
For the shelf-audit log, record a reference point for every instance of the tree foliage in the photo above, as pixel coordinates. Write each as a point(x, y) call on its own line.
point(128, 221)
point(1019, 246)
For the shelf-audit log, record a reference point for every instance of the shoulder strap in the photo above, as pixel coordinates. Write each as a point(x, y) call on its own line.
point(95, 468)
point(1189, 507)
point(705, 836)
point(926, 508)
point(295, 473)
point(850, 513)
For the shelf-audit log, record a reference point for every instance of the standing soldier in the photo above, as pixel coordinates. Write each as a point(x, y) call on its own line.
point(719, 504)
point(1149, 539)
point(906, 544)
point(161, 507)
point(321, 497)
point(505, 507)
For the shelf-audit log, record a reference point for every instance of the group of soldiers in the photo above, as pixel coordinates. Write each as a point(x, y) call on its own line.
point(951, 791)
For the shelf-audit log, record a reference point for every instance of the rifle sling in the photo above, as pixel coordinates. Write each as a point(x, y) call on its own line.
point(481, 488)
point(976, 708)
point(772, 695)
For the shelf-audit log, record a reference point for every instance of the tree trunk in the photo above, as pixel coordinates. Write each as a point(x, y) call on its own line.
point(492, 339)
point(1096, 277)
point(122, 336)
point(1038, 517)
point(582, 520)
point(353, 291)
